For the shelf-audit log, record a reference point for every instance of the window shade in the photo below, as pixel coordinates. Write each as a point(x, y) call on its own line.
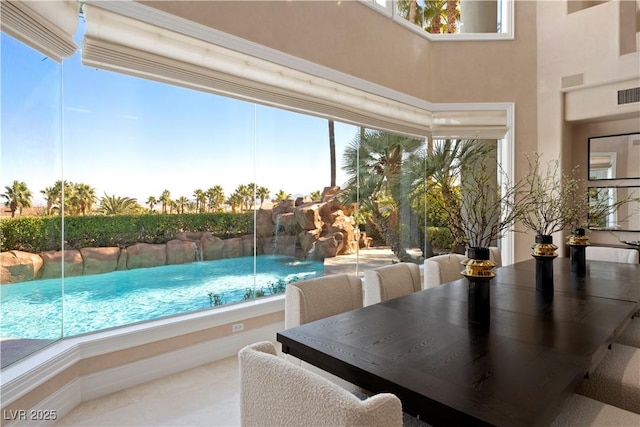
point(119, 43)
point(47, 26)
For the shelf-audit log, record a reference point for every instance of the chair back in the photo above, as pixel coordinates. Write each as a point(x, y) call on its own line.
point(274, 392)
point(495, 255)
point(622, 255)
point(391, 281)
point(321, 297)
point(442, 269)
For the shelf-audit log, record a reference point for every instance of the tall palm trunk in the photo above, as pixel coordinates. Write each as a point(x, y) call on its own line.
point(452, 6)
point(389, 234)
point(413, 11)
point(332, 152)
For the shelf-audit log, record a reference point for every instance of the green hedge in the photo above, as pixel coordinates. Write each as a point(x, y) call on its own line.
point(440, 237)
point(37, 234)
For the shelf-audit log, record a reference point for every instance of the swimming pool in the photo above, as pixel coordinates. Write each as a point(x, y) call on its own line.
point(91, 303)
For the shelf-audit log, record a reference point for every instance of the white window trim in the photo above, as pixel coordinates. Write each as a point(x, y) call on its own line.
point(508, 22)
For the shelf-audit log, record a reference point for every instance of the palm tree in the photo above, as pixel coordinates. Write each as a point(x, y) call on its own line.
point(445, 162)
point(453, 16)
point(332, 152)
point(435, 13)
point(282, 195)
point(84, 196)
point(17, 196)
point(201, 199)
point(411, 11)
point(115, 205)
point(215, 196)
point(180, 203)
point(165, 199)
point(234, 201)
point(60, 193)
point(245, 192)
point(377, 164)
point(315, 195)
point(151, 201)
point(51, 196)
point(263, 194)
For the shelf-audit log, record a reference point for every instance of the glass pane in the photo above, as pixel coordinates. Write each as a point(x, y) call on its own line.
point(384, 169)
point(455, 16)
point(166, 166)
point(30, 164)
point(298, 228)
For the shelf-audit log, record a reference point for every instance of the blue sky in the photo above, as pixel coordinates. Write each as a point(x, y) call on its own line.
point(132, 137)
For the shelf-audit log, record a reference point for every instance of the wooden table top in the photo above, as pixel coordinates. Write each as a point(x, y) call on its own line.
point(516, 371)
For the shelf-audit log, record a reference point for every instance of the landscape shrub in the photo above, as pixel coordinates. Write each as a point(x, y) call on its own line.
point(440, 238)
point(36, 234)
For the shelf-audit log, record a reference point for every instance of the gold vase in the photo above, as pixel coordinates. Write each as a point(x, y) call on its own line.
point(544, 246)
point(478, 263)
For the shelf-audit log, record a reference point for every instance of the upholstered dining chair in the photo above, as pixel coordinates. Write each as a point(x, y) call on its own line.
point(579, 410)
point(391, 281)
point(495, 255)
point(442, 269)
point(616, 380)
point(598, 253)
point(274, 392)
point(317, 298)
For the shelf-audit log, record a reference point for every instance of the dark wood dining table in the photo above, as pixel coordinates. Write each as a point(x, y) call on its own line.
point(517, 370)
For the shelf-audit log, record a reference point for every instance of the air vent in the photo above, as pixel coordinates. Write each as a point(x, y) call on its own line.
point(574, 80)
point(629, 96)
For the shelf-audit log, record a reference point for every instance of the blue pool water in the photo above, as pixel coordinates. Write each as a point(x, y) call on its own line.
point(91, 303)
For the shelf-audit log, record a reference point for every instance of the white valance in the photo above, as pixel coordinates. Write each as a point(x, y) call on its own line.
point(47, 26)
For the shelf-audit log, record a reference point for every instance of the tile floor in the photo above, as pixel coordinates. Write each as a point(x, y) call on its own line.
point(208, 395)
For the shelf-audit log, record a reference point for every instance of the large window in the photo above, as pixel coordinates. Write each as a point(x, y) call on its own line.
point(141, 199)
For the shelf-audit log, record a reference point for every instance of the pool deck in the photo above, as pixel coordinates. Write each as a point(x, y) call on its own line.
point(365, 259)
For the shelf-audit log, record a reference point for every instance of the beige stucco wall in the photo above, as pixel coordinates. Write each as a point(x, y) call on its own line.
point(343, 35)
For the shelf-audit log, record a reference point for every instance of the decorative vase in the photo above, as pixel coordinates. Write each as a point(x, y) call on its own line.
point(544, 251)
point(479, 272)
point(578, 243)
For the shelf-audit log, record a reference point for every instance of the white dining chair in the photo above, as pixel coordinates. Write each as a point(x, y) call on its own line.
point(579, 410)
point(623, 255)
point(274, 392)
point(495, 255)
point(616, 380)
point(442, 269)
point(317, 298)
point(391, 281)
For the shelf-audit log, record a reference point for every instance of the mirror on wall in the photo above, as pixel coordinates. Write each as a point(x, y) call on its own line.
point(614, 157)
point(602, 215)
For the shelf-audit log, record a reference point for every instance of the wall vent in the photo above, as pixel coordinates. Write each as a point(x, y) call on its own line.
point(574, 80)
point(628, 96)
